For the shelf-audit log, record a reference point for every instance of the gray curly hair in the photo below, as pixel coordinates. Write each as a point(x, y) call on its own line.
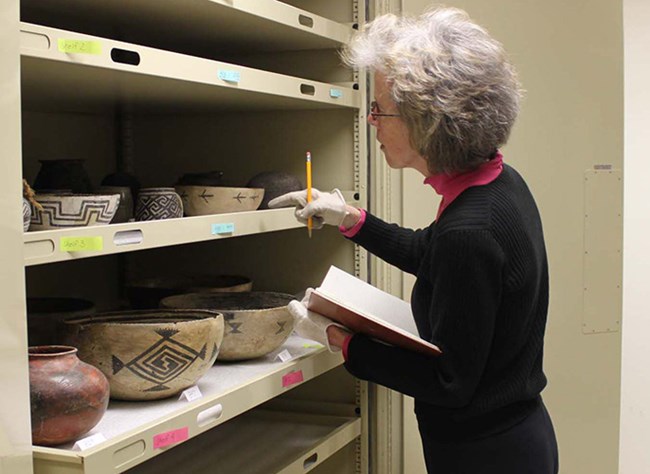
point(452, 83)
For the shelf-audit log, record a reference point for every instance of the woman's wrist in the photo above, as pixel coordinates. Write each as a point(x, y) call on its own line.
point(352, 217)
point(336, 336)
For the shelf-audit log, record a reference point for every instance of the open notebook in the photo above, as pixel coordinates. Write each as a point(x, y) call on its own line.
point(363, 308)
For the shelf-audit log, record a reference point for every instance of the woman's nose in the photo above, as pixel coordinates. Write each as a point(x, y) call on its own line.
point(372, 120)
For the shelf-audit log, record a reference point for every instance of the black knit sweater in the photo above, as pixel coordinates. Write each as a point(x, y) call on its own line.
point(481, 295)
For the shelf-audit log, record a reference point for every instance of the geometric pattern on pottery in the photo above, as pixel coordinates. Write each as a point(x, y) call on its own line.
point(236, 325)
point(229, 319)
point(281, 324)
point(27, 214)
point(204, 200)
point(204, 195)
point(53, 213)
point(163, 361)
point(240, 197)
point(159, 206)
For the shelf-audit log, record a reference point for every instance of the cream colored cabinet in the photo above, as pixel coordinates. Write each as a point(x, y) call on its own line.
point(159, 89)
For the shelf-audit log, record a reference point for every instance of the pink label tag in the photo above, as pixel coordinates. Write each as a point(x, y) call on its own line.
point(168, 438)
point(292, 378)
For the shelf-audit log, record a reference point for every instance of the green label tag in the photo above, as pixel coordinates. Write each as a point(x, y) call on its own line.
point(80, 46)
point(312, 345)
point(81, 244)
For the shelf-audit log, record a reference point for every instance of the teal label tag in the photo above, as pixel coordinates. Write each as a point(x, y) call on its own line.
point(230, 76)
point(218, 229)
point(336, 93)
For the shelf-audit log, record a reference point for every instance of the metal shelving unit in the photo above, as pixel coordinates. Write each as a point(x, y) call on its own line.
point(316, 438)
point(228, 390)
point(48, 246)
point(235, 25)
point(65, 70)
point(88, 59)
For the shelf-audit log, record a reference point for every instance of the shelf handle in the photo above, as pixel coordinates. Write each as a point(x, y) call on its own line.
point(310, 461)
point(209, 415)
point(128, 454)
point(124, 56)
point(305, 20)
point(307, 89)
point(128, 237)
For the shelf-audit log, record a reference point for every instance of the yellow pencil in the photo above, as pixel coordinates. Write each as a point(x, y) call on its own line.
point(308, 164)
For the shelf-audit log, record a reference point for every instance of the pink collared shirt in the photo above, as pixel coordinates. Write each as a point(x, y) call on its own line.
point(450, 186)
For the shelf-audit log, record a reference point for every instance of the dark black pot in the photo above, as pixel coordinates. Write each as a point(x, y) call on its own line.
point(63, 174)
point(121, 178)
point(275, 183)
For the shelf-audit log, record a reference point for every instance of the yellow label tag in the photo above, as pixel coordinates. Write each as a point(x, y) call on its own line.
point(81, 244)
point(80, 46)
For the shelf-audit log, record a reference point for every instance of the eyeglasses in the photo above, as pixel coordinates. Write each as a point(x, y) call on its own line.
point(374, 111)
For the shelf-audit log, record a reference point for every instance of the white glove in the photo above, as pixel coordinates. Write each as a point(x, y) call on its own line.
point(311, 325)
point(325, 208)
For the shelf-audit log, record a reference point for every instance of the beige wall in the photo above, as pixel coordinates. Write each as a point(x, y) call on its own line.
point(635, 384)
point(569, 55)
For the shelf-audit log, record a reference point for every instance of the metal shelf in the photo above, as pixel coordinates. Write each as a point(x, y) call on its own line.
point(291, 443)
point(72, 72)
point(171, 57)
point(49, 246)
point(228, 391)
point(206, 28)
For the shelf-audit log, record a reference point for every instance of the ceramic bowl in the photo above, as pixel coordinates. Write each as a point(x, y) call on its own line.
point(148, 355)
point(158, 203)
point(204, 200)
point(67, 396)
point(27, 214)
point(256, 323)
point(73, 210)
point(124, 211)
point(147, 292)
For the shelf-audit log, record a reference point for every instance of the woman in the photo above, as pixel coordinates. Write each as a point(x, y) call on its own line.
point(445, 100)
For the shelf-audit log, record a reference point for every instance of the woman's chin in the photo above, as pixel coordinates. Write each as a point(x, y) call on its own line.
point(392, 164)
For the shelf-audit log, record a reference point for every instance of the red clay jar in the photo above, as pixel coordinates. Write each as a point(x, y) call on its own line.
point(68, 396)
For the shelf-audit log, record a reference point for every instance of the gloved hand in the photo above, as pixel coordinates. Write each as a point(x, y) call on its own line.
point(311, 325)
point(325, 208)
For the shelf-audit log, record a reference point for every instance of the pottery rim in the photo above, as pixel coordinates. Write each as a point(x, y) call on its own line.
point(147, 316)
point(51, 350)
point(217, 300)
